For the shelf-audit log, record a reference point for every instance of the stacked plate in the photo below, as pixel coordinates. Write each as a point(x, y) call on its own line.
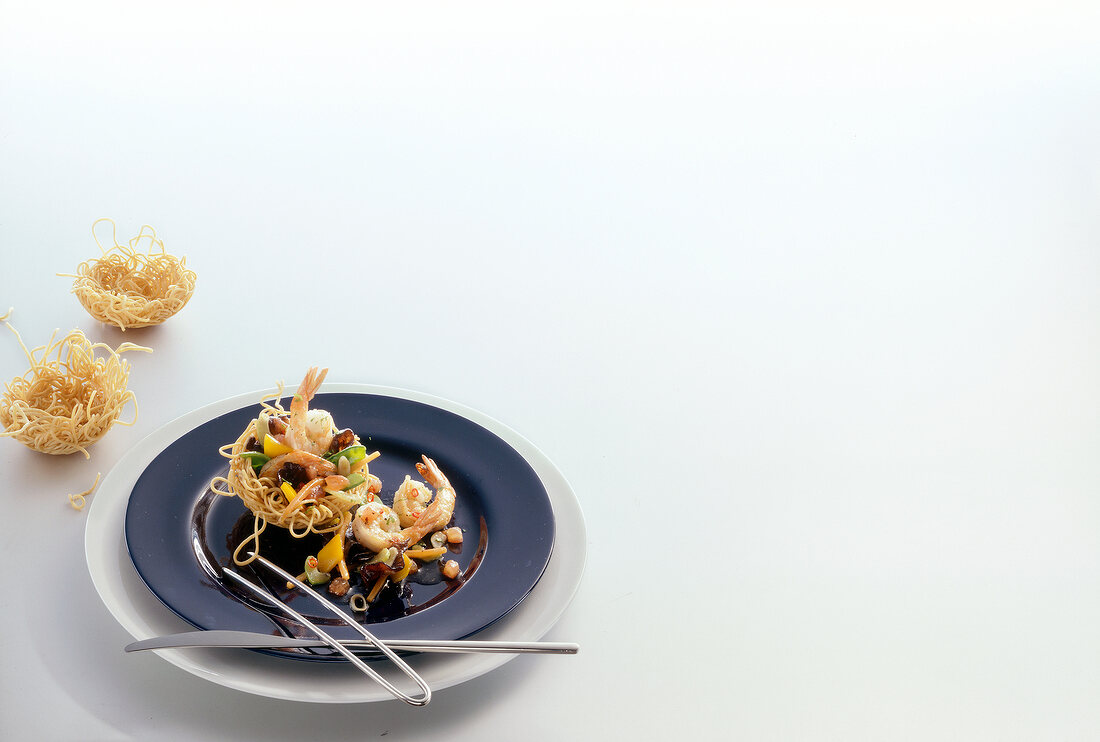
point(156, 536)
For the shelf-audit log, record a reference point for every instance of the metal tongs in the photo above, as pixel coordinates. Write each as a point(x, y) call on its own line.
point(328, 639)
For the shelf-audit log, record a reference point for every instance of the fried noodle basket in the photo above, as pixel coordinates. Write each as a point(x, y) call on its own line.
point(67, 402)
point(130, 289)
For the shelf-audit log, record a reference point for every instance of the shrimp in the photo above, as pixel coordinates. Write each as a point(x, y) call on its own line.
point(314, 465)
point(309, 430)
point(410, 500)
point(438, 514)
point(374, 484)
point(376, 527)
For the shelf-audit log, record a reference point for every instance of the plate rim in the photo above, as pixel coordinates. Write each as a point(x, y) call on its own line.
point(142, 615)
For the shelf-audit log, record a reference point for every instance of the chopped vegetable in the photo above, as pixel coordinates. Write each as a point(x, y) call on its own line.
point(426, 555)
point(262, 429)
point(354, 480)
point(404, 572)
point(362, 463)
point(351, 453)
point(255, 458)
point(273, 448)
point(384, 557)
point(332, 553)
point(376, 588)
point(314, 575)
point(288, 490)
point(306, 494)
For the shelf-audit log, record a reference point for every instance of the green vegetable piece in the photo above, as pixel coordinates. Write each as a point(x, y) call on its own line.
point(352, 453)
point(354, 480)
point(314, 575)
point(384, 557)
point(255, 458)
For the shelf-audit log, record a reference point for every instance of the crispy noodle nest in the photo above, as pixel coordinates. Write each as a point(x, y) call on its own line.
point(268, 503)
point(131, 289)
point(64, 404)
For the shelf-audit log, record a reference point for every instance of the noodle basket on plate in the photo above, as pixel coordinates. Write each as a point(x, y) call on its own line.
point(324, 509)
point(130, 289)
point(64, 404)
point(268, 501)
point(295, 470)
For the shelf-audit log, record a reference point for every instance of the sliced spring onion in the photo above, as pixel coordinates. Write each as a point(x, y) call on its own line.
point(314, 575)
point(384, 557)
point(358, 602)
point(262, 429)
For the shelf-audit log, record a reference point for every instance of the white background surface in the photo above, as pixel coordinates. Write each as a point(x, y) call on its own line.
point(802, 301)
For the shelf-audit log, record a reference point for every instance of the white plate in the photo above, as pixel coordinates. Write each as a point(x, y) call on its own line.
point(143, 616)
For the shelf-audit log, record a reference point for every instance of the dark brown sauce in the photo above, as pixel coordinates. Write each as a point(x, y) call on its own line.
point(419, 591)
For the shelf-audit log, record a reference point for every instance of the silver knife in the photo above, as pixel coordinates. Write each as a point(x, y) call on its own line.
point(251, 640)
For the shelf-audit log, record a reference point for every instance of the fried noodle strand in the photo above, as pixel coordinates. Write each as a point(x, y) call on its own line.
point(80, 499)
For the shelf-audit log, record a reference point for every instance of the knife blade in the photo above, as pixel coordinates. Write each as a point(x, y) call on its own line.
point(253, 640)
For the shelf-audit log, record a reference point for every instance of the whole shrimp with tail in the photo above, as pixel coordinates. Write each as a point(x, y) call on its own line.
point(309, 430)
point(371, 529)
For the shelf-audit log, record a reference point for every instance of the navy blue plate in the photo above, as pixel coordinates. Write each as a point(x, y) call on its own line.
point(179, 533)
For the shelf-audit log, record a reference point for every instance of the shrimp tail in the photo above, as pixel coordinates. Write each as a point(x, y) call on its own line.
point(311, 383)
point(431, 473)
point(439, 512)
